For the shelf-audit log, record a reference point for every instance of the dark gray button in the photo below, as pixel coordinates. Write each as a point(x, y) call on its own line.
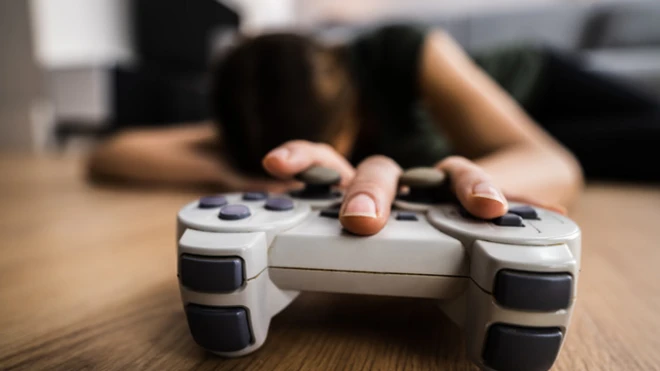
point(234, 212)
point(336, 205)
point(210, 273)
point(209, 202)
point(330, 213)
point(525, 212)
point(425, 185)
point(509, 220)
point(279, 204)
point(254, 196)
point(406, 215)
point(219, 329)
point(533, 291)
point(466, 214)
point(521, 348)
point(317, 175)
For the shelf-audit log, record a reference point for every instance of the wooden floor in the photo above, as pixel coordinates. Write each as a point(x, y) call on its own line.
point(88, 281)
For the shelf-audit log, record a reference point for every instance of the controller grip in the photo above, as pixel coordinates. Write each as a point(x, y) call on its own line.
point(519, 303)
point(226, 290)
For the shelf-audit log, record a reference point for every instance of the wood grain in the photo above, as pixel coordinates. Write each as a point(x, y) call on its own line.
point(88, 281)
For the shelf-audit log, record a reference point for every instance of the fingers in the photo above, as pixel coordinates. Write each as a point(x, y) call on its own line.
point(295, 156)
point(368, 199)
point(474, 188)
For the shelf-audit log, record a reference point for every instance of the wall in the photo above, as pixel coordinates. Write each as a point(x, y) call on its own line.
point(22, 123)
point(72, 33)
point(75, 42)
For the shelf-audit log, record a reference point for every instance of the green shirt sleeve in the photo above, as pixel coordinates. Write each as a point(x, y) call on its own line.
point(517, 69)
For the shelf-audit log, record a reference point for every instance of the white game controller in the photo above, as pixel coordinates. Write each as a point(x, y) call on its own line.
point(510, 283)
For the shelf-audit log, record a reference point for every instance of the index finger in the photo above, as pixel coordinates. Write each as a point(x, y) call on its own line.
point(368, 199)
point(474, 188)
point(295, 156)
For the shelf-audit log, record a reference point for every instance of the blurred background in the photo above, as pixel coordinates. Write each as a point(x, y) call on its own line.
point(72, 71)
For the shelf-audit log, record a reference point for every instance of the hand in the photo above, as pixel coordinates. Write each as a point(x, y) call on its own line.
point(474, 188)
point(295, 156)
point(371, 188)
point(230, 180)
point(478, 194)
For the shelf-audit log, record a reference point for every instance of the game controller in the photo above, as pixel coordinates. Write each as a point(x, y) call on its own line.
point(510, 282)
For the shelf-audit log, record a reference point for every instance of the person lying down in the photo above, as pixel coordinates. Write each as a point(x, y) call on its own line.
point(394, 98)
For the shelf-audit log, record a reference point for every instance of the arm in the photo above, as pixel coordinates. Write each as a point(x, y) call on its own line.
point(183, 157)
point(485, 124)
point(180, 156)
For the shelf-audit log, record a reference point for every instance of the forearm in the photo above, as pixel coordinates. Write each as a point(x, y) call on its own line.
point(174, 157)
point(476, 114)
point(545, 173)
point(485, 124)
point(175, 167)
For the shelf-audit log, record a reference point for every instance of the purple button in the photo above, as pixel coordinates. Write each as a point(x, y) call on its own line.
point(279, 204)
point(209, 202)
point(255, 196)
point(234, 212)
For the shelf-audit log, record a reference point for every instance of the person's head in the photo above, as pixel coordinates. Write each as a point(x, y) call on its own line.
point(279, 87)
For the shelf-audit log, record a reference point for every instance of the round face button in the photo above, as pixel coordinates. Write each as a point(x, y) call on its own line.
point(209, 202)
point(279, 204)
point(234, 212)
point(317, 175)
point(254, 196)
point(422, 177)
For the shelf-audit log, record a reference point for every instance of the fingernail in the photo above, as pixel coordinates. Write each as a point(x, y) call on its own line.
point(360, 205)
point(487, 190)
point(280, 153)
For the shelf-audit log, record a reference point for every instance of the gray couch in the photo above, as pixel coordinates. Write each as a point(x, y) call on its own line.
point(619, 38)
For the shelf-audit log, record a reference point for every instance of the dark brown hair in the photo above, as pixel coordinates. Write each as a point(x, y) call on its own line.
point(265, 92)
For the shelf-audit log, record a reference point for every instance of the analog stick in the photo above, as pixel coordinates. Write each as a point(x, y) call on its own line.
point(425, 185)
point(319, 183)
